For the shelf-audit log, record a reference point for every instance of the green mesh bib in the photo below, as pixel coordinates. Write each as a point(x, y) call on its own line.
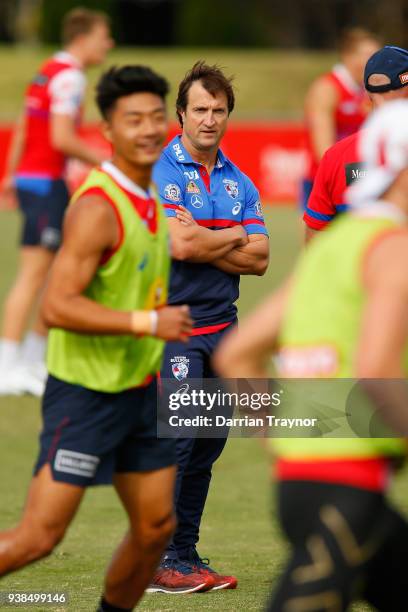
point(135, 277)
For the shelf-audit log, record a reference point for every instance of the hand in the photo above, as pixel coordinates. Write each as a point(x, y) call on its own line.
point(242, 235)
point(184, 216)
point(174, 323)
point(8, 198)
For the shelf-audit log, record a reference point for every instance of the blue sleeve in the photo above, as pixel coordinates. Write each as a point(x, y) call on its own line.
point(252, 218)
point(168, 182)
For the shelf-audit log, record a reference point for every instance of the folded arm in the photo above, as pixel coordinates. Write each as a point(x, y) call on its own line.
point(253, 258)
point(191, 242)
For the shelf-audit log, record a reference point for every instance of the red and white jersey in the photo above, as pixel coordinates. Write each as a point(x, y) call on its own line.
point(353, 106)
point(58, 87)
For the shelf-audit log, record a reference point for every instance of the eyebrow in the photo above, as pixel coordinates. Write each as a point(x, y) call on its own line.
point(139, 113)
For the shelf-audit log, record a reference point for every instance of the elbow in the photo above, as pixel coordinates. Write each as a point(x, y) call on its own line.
point(51, 313)
point(60, 143)
point(261, 266)
point(181, 250)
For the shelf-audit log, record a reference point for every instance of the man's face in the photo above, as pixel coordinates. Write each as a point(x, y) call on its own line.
point(357, 59)
point(137, 128)
point(205, 118)
point(96, 44)
point(378, 99)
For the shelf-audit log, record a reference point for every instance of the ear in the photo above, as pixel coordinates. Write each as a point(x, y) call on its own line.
point(107, 130)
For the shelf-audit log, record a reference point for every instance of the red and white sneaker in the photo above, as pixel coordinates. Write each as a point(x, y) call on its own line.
point(202, 567)
point(178, 578)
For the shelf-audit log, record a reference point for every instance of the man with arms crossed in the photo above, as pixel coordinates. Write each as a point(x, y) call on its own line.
point(350, 543)
point(217, 233)
point(385, 78)
point(46, 135)
point(105, 302)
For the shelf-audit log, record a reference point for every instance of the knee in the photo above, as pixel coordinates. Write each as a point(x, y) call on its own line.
point(156, 534)
point(42, 541)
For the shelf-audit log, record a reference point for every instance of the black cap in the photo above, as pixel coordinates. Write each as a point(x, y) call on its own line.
point(393, 63)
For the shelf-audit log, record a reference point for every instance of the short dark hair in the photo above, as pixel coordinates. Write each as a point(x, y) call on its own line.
point(81, 21)
point(212, 79)
point(118, 82)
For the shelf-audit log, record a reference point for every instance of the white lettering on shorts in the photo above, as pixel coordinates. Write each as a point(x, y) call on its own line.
point(79, 464)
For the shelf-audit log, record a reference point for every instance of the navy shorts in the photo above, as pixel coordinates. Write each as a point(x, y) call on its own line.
point(43, 203)
point(89, 435)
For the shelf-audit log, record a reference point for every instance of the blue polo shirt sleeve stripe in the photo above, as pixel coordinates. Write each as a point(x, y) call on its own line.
point(319, 216)
point(168, 184)
point(252, 216)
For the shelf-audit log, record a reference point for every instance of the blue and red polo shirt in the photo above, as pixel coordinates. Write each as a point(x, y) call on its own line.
point(223, 199)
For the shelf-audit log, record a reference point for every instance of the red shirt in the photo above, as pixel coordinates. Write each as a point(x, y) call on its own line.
point(352, 108)
point(57, 87)
point(340, 166)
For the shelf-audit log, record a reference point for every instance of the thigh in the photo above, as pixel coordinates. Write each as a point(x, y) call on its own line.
point(147, 496)
point(34, 262)
point(50, 505)
point(341, 531)
point(141, 450)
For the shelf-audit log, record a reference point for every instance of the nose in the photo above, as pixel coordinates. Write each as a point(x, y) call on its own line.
point(150, 127)
point(209, 119)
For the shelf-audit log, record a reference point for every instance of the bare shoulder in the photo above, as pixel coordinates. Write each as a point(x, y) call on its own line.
point(321, 92)
point(91, 218)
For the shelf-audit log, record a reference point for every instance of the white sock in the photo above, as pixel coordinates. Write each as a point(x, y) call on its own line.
point(9, 353)
point(34, 347)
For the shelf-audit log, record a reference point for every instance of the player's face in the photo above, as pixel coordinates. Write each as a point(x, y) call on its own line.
point(357, 59)
point(137, 128)
point(96, 44)
point(205, 118)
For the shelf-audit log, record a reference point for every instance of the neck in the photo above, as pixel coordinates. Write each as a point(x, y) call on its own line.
point(75, 51)
point(356, 76)
point(207, 157)
point(141, 175)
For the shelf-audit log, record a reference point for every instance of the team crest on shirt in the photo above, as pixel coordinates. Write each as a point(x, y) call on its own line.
point(172, 192)
point(231, 187)
point(179, 366)
point(192, 187)
point(258, 209)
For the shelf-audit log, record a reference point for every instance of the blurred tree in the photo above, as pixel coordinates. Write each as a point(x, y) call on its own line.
point(146, 22)
point(214, 23)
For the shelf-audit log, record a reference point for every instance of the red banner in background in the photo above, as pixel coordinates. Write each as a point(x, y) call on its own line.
point(272, 154)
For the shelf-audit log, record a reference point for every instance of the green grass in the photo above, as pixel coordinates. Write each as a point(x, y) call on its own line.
point(239, 532)
point(269, 83)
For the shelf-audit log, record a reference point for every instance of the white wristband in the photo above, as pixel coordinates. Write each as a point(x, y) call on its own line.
point(154, 321)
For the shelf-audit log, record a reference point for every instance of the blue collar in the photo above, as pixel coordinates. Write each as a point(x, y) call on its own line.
point(182, 156)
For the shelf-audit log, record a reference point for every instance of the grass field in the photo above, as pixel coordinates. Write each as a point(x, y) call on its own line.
point(239, 533)
point(269, 83)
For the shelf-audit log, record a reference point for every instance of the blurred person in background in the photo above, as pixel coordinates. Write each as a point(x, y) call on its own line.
point(336, 103)
point(46, 135)
point(385, 79)
point(348, 542)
